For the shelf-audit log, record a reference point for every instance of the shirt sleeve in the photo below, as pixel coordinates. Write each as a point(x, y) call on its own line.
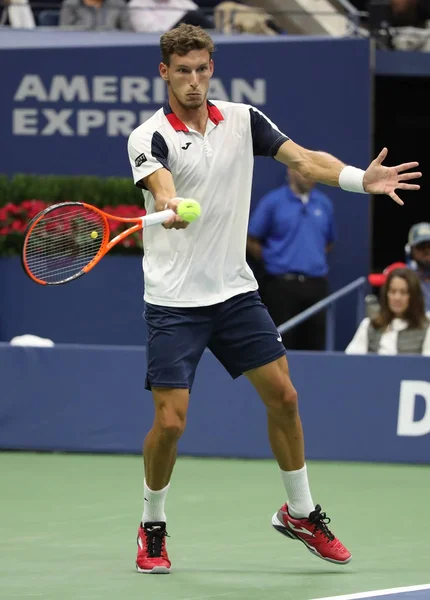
point(359, 343)
point(261, 218)
point(147, 152)
point(266, 137)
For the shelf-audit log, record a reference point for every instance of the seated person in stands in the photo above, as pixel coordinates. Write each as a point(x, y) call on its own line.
point(163, 15)
point(239, 17)
point(418, 255)
point(418, 259)
point(95, 14)
point(401, 326)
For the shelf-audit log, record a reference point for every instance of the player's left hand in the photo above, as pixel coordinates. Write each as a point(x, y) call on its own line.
point(386, 180)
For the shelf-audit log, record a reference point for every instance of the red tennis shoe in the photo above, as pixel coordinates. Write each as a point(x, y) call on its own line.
point(314, 533)
point(152, 555)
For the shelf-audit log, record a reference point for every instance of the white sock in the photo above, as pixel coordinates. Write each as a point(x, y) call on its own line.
point(153, 504)
point(300, 503)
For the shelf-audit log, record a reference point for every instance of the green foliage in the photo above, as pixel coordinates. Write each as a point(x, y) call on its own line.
point(59, 188)
point(23, 196)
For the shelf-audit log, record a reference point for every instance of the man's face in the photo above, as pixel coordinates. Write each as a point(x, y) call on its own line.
point(188, 77)
point(421, 255)
point(302, 184)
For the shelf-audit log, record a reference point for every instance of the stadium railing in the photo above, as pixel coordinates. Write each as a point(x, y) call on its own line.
point(329, 303)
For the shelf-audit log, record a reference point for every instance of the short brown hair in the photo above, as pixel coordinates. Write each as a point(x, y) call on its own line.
point(183, 39)
point(415, 313)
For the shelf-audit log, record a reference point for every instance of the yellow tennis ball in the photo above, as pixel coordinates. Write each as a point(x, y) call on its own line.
point(189, 210)
point(94, 235)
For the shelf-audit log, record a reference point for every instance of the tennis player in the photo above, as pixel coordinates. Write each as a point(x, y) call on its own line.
point(199, 291)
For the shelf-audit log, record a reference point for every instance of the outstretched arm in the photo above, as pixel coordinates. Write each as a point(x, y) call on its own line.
point(161, 185)
point(325, 168)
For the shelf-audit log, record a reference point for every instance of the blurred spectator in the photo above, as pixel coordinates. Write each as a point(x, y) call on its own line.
point(401, 326)
point(95, 14)
point(234, 17)
point(162, 15)
point(291, 231)
point(417, 257)
point(18, 14)
point(373, 306)
point(378, 279)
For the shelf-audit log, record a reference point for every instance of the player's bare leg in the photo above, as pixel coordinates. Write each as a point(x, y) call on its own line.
point(159, 450)
point(299, 519)
point(275, 388)
point(159, 457)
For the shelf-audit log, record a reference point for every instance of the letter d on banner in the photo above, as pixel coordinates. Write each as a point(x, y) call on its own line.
point(406, 425)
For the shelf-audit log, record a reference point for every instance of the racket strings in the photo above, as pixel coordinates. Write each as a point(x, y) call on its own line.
point(63, 242)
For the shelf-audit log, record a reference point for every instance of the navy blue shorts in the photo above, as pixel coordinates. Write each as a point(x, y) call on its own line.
point(239, 332)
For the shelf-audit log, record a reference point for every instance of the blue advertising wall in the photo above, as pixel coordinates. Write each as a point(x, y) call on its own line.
point(92, 399)
point(105, 307)
point(68, 104)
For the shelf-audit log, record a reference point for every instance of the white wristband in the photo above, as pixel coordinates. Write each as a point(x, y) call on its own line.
point(351, 180)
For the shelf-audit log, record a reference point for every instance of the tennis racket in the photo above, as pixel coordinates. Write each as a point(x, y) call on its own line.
point(67, 240)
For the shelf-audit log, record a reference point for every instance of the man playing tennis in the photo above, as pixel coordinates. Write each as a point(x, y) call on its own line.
point(199, 291)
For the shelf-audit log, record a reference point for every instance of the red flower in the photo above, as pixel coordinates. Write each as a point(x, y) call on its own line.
point(13, 209)
point(14, 220)
point(18, 226)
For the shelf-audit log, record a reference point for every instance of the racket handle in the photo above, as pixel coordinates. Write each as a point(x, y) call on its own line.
point(157, 217)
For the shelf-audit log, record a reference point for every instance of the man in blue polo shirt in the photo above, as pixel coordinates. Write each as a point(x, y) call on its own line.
point(290, 231)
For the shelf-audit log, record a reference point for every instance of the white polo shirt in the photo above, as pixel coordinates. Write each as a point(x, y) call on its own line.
point(205, 263)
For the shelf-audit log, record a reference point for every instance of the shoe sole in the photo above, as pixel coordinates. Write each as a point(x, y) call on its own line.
point(276, 524)
point(154, 570)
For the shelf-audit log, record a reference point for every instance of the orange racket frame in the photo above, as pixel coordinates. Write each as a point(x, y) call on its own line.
point(106, 245)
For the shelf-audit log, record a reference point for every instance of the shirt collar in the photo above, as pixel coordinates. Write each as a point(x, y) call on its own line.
point(294, 196)
point(214, 113)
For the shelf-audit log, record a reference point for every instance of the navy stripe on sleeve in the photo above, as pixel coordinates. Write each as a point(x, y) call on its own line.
point(159, 149)
point(266, 139)
point(160, 152)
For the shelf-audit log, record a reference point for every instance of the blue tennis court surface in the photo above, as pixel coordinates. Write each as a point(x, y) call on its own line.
point(415, 592)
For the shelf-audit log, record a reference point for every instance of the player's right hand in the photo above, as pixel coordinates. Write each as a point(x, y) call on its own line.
point(174, 222)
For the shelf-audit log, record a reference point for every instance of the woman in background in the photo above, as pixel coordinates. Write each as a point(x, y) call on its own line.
point(401, 326)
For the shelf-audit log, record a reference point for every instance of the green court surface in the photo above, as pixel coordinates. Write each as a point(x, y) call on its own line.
point(68, 530)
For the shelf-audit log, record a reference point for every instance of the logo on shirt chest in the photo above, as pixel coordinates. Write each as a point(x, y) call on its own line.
point(187, 145)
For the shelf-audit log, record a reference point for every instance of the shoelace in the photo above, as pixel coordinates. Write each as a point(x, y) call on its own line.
point(320, 521)
point(155, 541)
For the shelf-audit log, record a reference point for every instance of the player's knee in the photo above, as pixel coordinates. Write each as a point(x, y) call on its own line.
point(285, 399)
point(290, 400)
point(172, 424)
point(172, 430)
point(170, 413)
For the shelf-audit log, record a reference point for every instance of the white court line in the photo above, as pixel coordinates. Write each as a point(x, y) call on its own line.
point(376, 593)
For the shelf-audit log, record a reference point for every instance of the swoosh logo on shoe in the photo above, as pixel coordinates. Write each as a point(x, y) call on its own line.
point(300, 529)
